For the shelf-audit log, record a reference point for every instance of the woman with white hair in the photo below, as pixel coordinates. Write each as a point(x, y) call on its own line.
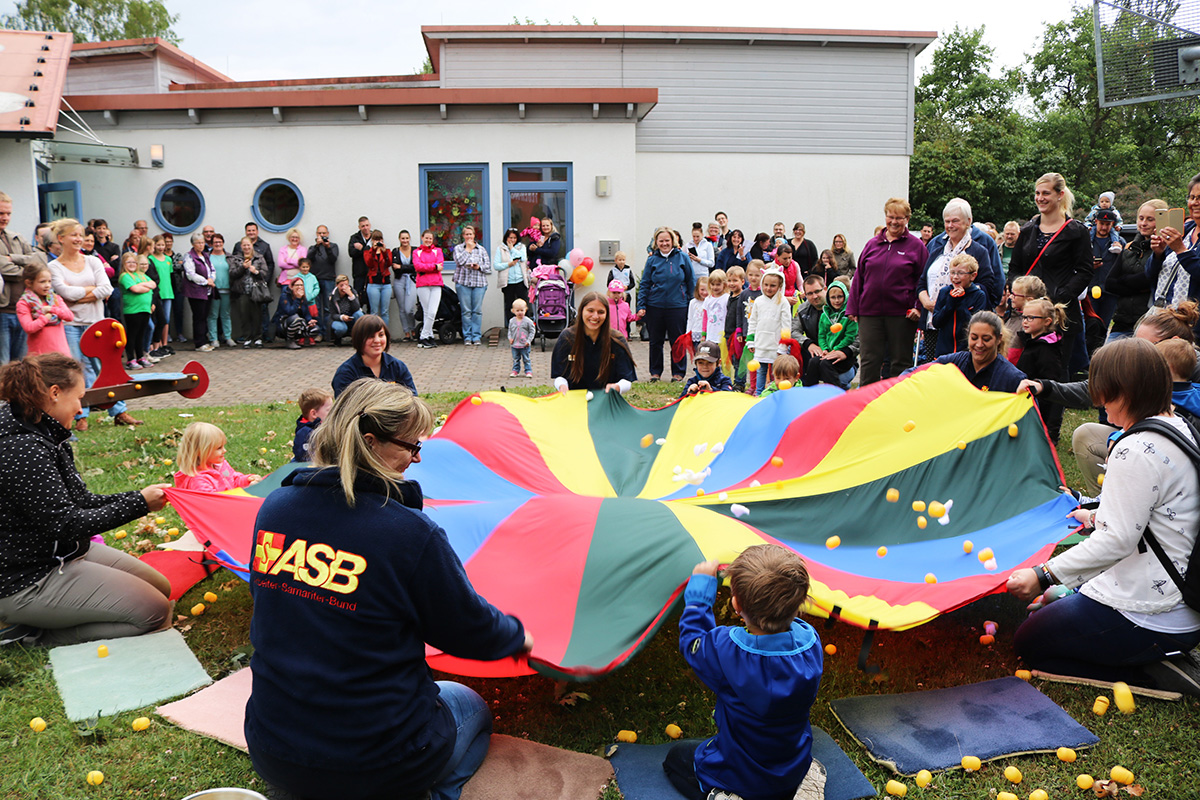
point(958, 238)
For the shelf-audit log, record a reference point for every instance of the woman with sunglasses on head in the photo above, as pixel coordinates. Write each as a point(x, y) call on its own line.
point(350, 582)
point(371, 339)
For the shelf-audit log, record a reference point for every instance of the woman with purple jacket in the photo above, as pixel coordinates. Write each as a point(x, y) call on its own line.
point(883, 295)
point(200, 279)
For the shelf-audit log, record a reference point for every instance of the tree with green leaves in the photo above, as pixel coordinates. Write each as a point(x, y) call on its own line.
point(95, 20)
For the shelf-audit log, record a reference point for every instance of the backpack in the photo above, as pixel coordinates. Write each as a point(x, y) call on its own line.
point(1189, 585)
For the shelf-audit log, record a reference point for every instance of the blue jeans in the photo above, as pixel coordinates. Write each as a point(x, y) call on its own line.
point(473, 723)
point(521, 356)
point(760, 382)
point(340, 328)
point(323, 305)
point(218, 310)
point(12, 339)
point(1079, 636)
point(471, 298)
point(405, 290)
point(91, 367)
point(379, 296)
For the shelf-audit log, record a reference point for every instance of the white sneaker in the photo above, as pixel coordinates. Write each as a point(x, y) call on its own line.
point(230, 343)
point(214, 345)
point(205, 348)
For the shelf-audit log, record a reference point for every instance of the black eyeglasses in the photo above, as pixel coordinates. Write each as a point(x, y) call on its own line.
point(414, 448)
point(1033, 316)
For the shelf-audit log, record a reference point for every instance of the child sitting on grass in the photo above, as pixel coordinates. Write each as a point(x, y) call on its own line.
point(202, 464)
point(787, 368)
point(708, 376)
point(765, 677)
point(1185, 395)
point(315, 405)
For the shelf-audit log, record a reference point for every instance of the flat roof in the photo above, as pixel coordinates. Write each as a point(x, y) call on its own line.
point(31, 83)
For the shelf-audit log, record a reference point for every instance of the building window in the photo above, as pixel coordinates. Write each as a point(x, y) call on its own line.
point(539, 190)
point(278, 205)
point(453, 196)
point(178, 207)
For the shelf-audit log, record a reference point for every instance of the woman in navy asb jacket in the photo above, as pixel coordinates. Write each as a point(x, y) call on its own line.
point(371, 339)
point(350, 580)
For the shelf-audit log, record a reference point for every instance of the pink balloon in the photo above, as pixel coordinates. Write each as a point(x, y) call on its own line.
point(587, 262)
point(575, 257)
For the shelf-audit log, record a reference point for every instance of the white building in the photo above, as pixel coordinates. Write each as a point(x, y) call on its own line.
point(610, 130)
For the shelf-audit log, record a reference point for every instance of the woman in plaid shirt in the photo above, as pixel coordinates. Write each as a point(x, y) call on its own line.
point(471, 268)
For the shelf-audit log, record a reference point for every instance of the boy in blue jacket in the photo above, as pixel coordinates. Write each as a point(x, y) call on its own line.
point(315, 405)
point(708, 376)
point(956, 303)
point(765, 677)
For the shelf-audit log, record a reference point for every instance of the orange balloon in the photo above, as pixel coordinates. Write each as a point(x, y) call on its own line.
point(579, 274)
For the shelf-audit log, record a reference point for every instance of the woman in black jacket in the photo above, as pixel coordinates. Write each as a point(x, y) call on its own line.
point(1056, 249)
point(550, 249)
point(57, 586)
point(1128, 281)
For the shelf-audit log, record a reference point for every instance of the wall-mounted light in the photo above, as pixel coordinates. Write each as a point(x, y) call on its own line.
point(603, 186)
point(156, 155)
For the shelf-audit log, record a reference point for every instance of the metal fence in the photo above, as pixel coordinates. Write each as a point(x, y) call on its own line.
point(1147, 50)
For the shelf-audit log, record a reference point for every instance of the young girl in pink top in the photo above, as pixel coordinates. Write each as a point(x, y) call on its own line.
point(42, 313)
point(202, 464)
point(619, 314)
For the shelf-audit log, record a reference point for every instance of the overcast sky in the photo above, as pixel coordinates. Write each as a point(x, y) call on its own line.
point(273, 39)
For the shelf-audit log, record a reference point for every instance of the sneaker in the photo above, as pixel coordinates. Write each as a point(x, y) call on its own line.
point(421, 343)
point(214, 345)
point(528, 374)
point(205, 348)
point(258, 342)
point(124, 419)
point(293, 344)
point(132, 365)
point(1177, 673)
point(13, 634)
point(148, 362)
point(81, 424)
point(230, 343)
point(248, 343)
point(513, 374)
point(170, 350)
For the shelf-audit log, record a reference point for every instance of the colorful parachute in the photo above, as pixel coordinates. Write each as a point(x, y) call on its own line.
point(584, 516)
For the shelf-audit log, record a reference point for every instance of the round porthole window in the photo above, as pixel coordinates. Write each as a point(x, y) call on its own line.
point(178, 207)
point(278, 205)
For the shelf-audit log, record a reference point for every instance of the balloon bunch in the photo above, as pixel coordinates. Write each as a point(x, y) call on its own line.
point(578, 267)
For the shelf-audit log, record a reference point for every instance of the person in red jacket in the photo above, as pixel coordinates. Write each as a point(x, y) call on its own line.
point(378, 259)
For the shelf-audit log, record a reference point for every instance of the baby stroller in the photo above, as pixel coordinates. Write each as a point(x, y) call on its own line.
point(447, 323)
point(553, 309)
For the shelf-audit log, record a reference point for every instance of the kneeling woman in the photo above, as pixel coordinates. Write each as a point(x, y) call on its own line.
point(591, 355)
point(981, 361)
point(1128, 616)
point(56, 585)
point(350, 581)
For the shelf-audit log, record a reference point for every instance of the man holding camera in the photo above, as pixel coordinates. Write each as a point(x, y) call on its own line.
point(324, 255)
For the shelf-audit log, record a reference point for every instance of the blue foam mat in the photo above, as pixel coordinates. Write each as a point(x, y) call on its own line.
point(933, 730)
point(640, 774)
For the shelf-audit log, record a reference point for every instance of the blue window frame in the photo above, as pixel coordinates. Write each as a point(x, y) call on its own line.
point(278, 205)
point(540, 190)
point(452, 196)
point(178, 207)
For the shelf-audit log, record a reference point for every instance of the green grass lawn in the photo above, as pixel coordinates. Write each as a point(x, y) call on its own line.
point(1159, 742)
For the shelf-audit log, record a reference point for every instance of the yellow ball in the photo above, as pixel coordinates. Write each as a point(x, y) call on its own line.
point(1026, 675)
point(897, 789)
point(971, 763)
point(1123, 697)
point(38, 724)
point(930, 577)
point(753, 366)
point(1006, 796)
point(674, 731)
point(210, 597)
point(918, 506)
point(1013, 775)
point(831, 649)
point(783, 386)
point(908, 426)
point(160, 520)
point(835, 327)
point(1066, 754)
point(141, 723)
point(166, 462)
point(1100, 706)
point(1100, 479)
point(95, 777)
point(881, 552)
point(924, 778)
point(1096, 292)
point(627, 736)
point(922, 522)
point(962, 445)
point(893, 495)
point(647, 440)
point(120, 535)
point(968, 546)
point(986, 554)
point(197, 609)
point(477, 401)
point(102, 651)
point(172, 531)
point(1012, 430)
point(262, 450)
point(1121, 776)
point(699, 492)
point(937, 510)
point(1039, 794)
point(1085, 781)
point(833, 541)
point(776, 461)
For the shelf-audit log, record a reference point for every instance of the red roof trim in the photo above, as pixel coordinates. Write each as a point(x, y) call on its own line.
point(417, 96)
point(22, 49)
point(226, 85)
